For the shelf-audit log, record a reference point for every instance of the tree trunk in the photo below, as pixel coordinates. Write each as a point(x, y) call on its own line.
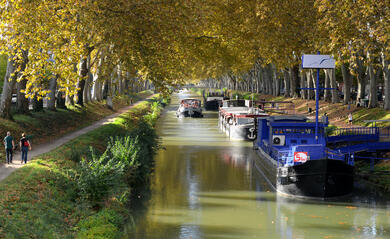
point(347, 83)
point(60, 100)
point(294, 71)
point(87, 88)
point(373, 97)
point(109, 94)
point(69, 99)
point(105, 89)
point(96, 87)
point(51, 102)
point(360, 81)
point(327, 93)
point(269, 80)
point(8, 86)
point(126, 84)
point(265, 81)
point(309, 83)
point(314, 81)
point(303, 84)
point(81, 83)
point(97, 82)
point(386, 78)
point(120, 80)
point(262, 81)
point(22, 102)
point(286, 83)
point(88, 82)
point(277, 84)
point(37, 104)
point(333, 84)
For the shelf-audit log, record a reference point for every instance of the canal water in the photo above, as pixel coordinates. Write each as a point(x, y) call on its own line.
point(207, 186)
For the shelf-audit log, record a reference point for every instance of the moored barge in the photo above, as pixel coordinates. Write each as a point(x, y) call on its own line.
point(300, 161)
point(213, 101)
point(237, 119)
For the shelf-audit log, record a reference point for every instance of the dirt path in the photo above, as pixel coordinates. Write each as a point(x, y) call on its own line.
point(7, 169)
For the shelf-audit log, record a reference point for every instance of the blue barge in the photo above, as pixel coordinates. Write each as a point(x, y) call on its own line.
point(300, 160)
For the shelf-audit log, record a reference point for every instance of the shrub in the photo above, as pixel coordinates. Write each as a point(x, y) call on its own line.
point(155, 110)
point(126, 150)
point(126, 159)
point(99, 177)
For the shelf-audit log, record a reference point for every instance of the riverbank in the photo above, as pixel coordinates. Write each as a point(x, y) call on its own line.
point(338, 118)
point(45, 199)
point(45, 126)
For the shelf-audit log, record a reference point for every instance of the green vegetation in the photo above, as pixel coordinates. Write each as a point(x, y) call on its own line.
point(44, 126)
point(53, 196)
point(102, 225)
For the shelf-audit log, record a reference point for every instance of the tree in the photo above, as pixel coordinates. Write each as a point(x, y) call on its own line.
point(8, 86)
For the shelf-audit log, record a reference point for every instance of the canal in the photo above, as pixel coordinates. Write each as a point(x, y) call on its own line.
point(206, 186)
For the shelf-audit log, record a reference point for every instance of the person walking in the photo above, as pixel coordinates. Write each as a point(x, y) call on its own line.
point(350, 118)
point(9, 146)
point(25, 146)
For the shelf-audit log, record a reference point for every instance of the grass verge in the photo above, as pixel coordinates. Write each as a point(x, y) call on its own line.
point(42, 199)
point(47, 125)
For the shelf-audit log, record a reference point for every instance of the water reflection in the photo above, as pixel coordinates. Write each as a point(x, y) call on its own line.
point(205, 186)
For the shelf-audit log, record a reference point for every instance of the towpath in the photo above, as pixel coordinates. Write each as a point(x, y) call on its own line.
point(7, 169)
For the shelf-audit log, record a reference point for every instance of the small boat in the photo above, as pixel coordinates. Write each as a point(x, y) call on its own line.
point(237, 119)
point(189, 108)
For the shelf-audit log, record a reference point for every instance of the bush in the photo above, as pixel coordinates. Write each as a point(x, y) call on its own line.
point(126, 159)
point(126, 150)
point(99, 177)
point(155, 110)
point(148, 144)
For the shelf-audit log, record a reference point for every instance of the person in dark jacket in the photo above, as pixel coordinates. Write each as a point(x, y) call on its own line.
point(25, 146)
point(9, 146)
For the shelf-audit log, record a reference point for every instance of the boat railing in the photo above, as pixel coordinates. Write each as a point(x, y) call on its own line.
point(384, 132)
point(355, 134)
point(357, 131)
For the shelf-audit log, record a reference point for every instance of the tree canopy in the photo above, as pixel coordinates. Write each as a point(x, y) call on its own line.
point(172, 42)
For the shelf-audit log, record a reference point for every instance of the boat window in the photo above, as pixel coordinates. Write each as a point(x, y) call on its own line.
point(244, 120)
point(304, 141)
point(293, 141)
point(293, 131)
point(190, 102)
